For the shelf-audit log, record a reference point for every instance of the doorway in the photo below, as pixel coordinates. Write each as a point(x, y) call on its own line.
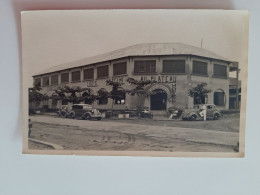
point(158, 100)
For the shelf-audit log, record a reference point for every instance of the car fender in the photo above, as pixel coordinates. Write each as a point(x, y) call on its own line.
point(193, 113)
point(72, 113)
point(217, 112)
point(86, 113)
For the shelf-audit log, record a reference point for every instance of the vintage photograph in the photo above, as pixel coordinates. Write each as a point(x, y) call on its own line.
point(135, 82)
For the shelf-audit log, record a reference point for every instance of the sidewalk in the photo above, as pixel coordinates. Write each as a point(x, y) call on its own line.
point(157, 118)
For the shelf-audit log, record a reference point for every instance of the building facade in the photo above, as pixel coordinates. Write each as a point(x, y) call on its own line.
point(176, 68)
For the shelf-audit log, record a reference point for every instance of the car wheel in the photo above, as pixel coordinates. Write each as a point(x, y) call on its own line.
point(193, 117)
point(216, 116)
point(72, 115)
point(87, 117)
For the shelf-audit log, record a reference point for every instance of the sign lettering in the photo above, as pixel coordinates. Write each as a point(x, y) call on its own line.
point(160, 79)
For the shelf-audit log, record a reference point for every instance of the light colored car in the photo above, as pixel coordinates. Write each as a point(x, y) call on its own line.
point(84, 111)
point(195, 113)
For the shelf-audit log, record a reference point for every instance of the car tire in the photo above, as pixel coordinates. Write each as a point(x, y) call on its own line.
point(216, 116)
point(72, 115)
point(87, 117)
point(193, 117)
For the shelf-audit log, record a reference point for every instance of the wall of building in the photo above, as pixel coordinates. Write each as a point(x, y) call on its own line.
point(183, 82)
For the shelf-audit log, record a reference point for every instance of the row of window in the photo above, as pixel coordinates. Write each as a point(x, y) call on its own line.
point(140, 67)
point(178, 67)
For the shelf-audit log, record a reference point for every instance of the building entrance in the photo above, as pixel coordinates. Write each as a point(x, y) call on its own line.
point(158, 100)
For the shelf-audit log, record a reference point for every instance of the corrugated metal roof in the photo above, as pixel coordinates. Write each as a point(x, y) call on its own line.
point(144, 49)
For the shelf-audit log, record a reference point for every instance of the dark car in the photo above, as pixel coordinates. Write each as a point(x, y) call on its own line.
point(64, 111)
point(146, 113)
point(84, 111)
point(195, 113)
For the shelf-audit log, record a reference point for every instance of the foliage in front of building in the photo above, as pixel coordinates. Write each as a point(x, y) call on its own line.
point(70, 94)
point(76, 94)
point(35, 95)
point(199, 93)
point(139, 87)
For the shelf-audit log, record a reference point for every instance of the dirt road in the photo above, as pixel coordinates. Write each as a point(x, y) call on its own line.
point(106, 135)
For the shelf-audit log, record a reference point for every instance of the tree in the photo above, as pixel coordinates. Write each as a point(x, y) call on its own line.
point(199, 93)
point(115, 93)
point(139, 88)
point(88, 96)
point(72, 91)
point(35, 95)
point(102, 94)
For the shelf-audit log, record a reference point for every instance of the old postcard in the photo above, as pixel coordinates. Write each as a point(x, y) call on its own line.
point(135, 82)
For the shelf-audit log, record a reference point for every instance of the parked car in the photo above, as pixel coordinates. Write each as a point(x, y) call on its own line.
point(195, 113)
point(175, 112)
point(146, 113)
point(64, 111)
point(84, 111)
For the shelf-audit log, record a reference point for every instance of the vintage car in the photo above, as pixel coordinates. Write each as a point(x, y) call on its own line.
point(146, 113)
point(195, 113)
point(64, 111)
point(84, 111)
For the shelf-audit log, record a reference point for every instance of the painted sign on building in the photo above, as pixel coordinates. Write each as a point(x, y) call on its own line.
point(160, 78)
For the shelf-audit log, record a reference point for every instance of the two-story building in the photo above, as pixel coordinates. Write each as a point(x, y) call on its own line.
point(176, 67)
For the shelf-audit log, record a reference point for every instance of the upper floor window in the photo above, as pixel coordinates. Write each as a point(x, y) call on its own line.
point(102, 71)
point(200, 68)
point(173, 66)
point(37, 82)
point(54, 79)
point(89, 74)
point(220, 70)
point(75, 76)
point(145, 66)
point(119, 68)
point(65, 77)
point(45, 81)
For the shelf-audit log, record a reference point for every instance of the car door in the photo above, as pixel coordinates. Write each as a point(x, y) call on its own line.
point(79, 111)
point(209, 111)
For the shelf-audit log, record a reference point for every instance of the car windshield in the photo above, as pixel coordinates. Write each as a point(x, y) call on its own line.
point(78, 107)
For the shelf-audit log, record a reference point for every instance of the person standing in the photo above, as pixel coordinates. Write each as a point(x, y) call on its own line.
point(204, 111)
point(30, 127)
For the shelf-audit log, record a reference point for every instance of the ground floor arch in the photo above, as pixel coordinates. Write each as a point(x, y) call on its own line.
point(219, 97)
point(158, 100)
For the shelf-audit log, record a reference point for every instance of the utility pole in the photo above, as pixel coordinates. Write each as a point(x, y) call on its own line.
point(201, 42)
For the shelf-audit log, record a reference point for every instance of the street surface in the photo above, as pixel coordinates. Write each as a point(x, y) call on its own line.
point(132, 135)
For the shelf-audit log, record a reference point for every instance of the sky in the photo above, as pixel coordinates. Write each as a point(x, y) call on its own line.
point(51, 38)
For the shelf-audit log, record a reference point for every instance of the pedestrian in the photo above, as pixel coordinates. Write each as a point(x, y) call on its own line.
point(30, 126)
point(203, 112)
